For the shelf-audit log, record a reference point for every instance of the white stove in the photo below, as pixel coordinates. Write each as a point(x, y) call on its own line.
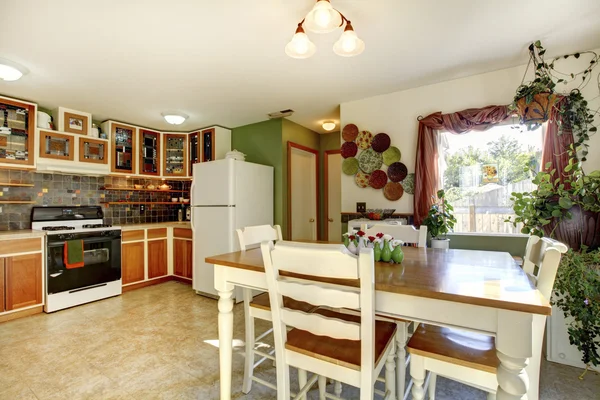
point(99, 276)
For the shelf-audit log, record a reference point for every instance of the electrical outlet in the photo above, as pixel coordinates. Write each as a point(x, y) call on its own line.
point(0, 210)
point(142, 208)
point(361, 207)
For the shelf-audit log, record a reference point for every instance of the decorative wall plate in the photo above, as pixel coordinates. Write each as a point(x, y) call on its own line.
point(378, 179)
point(381, 142)
point(369, 160)
point(393, 191)
point(409, 184)
point(350, 166)
point(362, 180)
point(391, 155)
point(364, 139)
point(350, 132)
point(397, 172)
point(349, 149)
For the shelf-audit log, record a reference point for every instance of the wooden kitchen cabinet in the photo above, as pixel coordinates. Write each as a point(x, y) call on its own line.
point(157, 258)
point(182, 258)
point(57, 146)
point(2, 305)
point(175, 155)
point(132, 262)
point(22, 281)
point(17, 133)
point(123, 140)
point(150, 154)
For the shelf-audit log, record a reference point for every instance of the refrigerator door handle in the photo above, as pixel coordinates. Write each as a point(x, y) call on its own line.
point(192, 208)
point(216, 205)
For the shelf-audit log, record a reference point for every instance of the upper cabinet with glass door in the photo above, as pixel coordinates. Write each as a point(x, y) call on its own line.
point(17, 133)
point(175, 155)
point(123, 144)
point(150, 154)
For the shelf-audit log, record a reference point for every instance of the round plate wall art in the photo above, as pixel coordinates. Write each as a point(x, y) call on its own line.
point(378, 179)
point(393, 191)
point(409, 184)
point(364, 140)
point(397, 172)
point(350, 166)
point(350, 132)
point(362, 180)
point(391, 155)
point(349, 149)
point(381, 142)
point(369, 160)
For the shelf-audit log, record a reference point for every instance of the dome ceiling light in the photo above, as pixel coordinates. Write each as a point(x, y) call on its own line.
point(11, 71)
point(174, 118)
point(328, 126)
point(323, 18)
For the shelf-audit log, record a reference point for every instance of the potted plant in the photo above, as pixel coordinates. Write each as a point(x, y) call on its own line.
point(534, 100)
point(568, 209)
point(440, 221)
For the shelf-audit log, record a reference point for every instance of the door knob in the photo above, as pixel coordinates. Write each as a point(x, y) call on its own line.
point(311, 220)
point(330, 219)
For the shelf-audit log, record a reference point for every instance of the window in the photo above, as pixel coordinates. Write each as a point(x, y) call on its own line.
point(480, 170)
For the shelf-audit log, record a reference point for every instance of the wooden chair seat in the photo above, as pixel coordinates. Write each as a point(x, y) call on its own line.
point(454, 346)
point(262, 301)
point(339, 351)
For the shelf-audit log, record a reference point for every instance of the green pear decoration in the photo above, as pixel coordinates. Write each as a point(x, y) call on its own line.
point(346, 240)
point(398, 254)
point(377, 252)
point(386, 253)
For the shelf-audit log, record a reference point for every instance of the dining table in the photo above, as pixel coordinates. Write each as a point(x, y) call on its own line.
point(479, 291)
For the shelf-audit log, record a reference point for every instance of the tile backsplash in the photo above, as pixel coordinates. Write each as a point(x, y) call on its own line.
point(60, 189)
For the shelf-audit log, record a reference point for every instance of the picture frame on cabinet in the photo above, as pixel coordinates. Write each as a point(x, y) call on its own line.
point(72, 121)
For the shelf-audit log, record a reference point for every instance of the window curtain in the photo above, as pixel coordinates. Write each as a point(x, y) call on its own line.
point(426, 170)
point(556, 147)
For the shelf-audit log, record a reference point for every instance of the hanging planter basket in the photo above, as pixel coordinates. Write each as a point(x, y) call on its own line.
point(537, 110)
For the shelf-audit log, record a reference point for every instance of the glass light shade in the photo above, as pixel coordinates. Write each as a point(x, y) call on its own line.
point(175, 119)
point(300, 46)
point(349, 44)
point(11, 71)
point(328, 126)
point(323, 18)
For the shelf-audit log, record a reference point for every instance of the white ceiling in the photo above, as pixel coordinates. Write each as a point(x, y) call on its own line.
point(223, 61)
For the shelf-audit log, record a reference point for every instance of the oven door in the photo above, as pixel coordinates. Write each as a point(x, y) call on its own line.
point(101, 257)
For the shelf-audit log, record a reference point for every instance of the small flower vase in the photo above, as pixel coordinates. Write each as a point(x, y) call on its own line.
point(346, 240)
point(377, 252)
point(398, 254)
point(352, 248)
point(386, 252)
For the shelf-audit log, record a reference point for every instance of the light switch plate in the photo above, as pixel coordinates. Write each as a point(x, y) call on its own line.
point(361, 207)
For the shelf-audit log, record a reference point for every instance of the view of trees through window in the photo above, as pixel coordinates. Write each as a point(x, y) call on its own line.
point(480, 170)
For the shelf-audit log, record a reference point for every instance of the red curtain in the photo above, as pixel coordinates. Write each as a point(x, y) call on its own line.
point(426, 169)
point(556, 146)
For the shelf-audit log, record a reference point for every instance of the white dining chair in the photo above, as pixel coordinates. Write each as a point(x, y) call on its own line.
point(259, 307)
point(347, 348)
point(470, 357)
point(408, 234)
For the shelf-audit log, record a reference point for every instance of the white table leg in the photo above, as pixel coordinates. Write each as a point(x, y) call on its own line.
point(417, 373)
point(401, 338)
point(514, 348)
point(225, 305)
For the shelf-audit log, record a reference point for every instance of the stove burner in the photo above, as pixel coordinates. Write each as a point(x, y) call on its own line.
point(96, 226)
point(58, 228)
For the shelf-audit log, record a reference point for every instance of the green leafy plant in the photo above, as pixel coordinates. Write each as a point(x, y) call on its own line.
point(440, 219)
point(577, 294)
point(575, 114)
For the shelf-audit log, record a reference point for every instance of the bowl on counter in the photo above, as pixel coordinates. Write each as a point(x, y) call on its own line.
point(378, 214)
point(138, 186)
point(186, 200)
point(174, 199)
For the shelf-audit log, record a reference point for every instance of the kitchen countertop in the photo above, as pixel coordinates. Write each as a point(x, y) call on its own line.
point(21, 234)
point(151, 225)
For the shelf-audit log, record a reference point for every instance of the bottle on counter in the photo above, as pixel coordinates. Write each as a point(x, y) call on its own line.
point(180, 215)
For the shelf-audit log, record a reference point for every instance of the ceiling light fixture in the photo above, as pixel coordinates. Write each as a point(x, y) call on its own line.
point(328, 126)
point(11, 71)
point(323, 18)
point(174, 118)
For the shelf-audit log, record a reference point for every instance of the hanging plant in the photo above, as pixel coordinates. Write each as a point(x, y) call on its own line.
point(534, 100)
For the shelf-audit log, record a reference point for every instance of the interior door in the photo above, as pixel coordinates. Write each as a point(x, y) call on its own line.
point(333, 193)
point(302, 188)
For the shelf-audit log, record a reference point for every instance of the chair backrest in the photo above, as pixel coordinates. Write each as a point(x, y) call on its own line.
point(406, 233)
point(318, 264)
point(545, 254)
point(252, 236)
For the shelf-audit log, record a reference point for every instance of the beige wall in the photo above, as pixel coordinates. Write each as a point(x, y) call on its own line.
point(396, 114)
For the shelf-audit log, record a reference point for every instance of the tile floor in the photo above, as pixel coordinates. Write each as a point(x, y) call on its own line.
point(160, 343)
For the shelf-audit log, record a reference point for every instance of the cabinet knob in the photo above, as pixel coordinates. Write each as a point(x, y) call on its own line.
point(330, 219)
point(311, 220)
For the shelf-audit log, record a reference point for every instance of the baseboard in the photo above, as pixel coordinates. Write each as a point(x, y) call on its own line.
point(144, 284)
point(22, 313)
point(181, 279)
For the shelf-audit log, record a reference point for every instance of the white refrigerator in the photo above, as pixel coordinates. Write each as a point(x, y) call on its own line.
point(226, 195)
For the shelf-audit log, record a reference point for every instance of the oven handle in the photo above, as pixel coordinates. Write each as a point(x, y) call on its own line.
point(89, 240)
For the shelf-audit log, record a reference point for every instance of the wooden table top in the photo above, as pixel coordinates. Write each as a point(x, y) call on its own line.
point(485, 278)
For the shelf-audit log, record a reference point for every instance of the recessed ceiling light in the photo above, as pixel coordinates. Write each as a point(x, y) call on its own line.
point(174, 118)
point(10, 70)
point(328, 126)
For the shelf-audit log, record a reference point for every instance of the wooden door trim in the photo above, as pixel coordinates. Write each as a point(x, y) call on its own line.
point(291, 145)
point(71, 138)
point(326, 189)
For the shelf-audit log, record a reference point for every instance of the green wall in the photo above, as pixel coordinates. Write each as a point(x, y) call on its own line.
point(261, 142)
point(292, 132)
point(328, 141)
